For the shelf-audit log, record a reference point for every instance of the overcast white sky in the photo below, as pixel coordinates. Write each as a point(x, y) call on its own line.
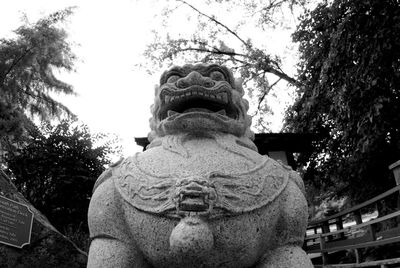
point(113, 95)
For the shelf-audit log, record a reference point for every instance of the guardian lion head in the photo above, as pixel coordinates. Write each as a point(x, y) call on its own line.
point(198, 99)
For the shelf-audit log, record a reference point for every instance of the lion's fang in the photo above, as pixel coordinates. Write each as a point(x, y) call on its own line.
point(170, 113)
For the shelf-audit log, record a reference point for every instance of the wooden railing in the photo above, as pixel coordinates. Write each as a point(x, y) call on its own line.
point(357, 236)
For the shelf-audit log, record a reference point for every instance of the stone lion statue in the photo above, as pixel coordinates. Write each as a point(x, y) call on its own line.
point(200, 195)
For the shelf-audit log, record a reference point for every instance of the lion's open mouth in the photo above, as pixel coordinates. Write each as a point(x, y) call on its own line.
point(197, 99)
point(193, 201)
point(194, 195)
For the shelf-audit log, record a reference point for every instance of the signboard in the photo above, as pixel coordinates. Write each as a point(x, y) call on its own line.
point(15, 223)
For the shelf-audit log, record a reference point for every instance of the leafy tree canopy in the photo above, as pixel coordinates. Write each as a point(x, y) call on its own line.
point(57, 170)
point(238, 34)
point(347, 84)
point(350, 71)
point(27, 81)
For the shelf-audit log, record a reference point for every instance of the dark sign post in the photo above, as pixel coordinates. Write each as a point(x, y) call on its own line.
point(15, 223)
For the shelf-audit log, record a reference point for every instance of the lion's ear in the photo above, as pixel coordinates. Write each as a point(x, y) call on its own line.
point(156, 90)
point(152, 135)
point(238, 85)
point(294, 176)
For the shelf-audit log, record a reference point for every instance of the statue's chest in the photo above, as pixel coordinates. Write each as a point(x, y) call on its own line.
point(193, 186)
point(198, 157)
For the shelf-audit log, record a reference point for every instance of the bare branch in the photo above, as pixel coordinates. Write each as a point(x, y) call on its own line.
point(238, 67)
point(216, 21)
point(214, 51)
point(271, 5)
point(286, 77)
point(246, 81)
point(265, 93)
point(269, 69)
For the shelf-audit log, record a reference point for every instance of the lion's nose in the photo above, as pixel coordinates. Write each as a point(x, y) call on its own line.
point(194, 78)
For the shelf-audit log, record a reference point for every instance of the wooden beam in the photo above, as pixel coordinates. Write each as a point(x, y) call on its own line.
point(365, 224)
point(325, 255)
point(363, 264)
point(339, 226)
point(365, 245)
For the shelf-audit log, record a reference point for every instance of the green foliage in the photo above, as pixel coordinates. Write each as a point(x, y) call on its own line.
point(350, 69)
point(27, 62)
point(27, 81)
point(57, 170)
point(11, 126)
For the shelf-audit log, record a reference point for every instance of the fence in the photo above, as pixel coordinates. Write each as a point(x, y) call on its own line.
point(358, 234)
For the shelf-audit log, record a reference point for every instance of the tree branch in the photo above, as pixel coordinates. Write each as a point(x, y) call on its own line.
point(286, 77)
point(265, 93)
point(271, 5)
point(49, 101)
point(216, 21)
point(214, 51)
point(14, 63)
point(279, 73)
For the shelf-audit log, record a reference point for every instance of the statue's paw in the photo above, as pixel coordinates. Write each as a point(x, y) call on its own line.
point(289, 256)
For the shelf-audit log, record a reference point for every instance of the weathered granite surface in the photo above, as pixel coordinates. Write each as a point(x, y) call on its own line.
point(200, 195)
point(48, 247)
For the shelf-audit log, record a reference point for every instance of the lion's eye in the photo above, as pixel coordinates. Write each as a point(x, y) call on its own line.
point(217, 76)
point(173, 78)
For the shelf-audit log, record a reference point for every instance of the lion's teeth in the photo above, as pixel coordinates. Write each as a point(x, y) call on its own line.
point(224, 97)
point(170, 112)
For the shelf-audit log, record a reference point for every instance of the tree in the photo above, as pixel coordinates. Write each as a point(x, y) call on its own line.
point(27, 81)
point(350, 66)
point(56, 172)
point(231, 44)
